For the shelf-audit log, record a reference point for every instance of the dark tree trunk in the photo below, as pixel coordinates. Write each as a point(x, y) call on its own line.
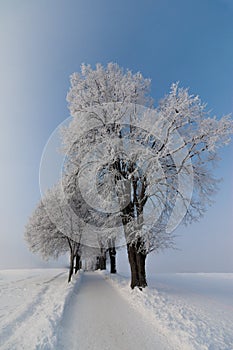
point(77, 263)
point(132, 198)
point(112, 255)
point(71, 270)
point(102, 262)
point(137, 265)
point(133, 266)
point(141, 262)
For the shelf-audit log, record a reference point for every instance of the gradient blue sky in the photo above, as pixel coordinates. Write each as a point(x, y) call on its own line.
point(43, 42)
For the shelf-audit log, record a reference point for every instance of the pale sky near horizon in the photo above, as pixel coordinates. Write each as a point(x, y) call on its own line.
point(43, 42)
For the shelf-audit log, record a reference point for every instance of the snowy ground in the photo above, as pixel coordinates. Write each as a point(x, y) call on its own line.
point(193, 311)
point(38, 310)
point(31, 305)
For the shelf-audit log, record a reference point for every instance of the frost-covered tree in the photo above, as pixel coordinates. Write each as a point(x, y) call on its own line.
point(100, 232)
point(53, 230)
point(42, 235)
point(138, 168)
point(90, 256)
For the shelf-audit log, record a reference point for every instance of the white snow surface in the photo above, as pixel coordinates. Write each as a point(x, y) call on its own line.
point(99, 311)
point(31, 306)
point(193, 311)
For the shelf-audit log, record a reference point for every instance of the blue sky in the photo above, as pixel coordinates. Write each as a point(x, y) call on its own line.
point(43, 42)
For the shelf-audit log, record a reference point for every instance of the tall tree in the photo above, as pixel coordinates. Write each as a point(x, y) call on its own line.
point(145, 169)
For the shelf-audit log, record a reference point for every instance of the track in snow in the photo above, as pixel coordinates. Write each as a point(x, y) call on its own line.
point(30, 308)
point(98, 318)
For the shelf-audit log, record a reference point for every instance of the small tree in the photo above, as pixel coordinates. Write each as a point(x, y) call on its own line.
point(42, 235)
point(66, 221)
point(53, 230)
point(99, 232)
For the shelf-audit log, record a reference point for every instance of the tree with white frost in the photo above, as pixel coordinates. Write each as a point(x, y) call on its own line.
point(136, 171)
point(42, 235)
point(53, 230)
point(99, 232)
point(145, 169)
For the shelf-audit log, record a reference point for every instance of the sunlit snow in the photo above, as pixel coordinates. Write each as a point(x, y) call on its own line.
point(39, 310)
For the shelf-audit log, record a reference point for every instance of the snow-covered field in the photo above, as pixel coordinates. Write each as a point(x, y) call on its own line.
point(31, 305)
point(39, 310)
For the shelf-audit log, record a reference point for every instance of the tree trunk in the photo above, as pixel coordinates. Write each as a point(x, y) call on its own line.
point(137, 265)
point(71, 267)
point(133, 266)
point(141, 262)
point(132, 199)
point(112, 255)
point(102, 262)
point(77, 263)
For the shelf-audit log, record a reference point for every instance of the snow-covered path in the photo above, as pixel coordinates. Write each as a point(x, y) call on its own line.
point(97, 317)
point(39, 310)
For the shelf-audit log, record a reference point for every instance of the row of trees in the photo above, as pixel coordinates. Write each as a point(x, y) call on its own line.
point(53, 230)
point(132, 172)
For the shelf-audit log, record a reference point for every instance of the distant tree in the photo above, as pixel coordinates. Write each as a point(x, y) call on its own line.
point(42, 235)
point(52, 229)
point(90, 258)
point(98, 232)
point(66, 221)
point(139, 159)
